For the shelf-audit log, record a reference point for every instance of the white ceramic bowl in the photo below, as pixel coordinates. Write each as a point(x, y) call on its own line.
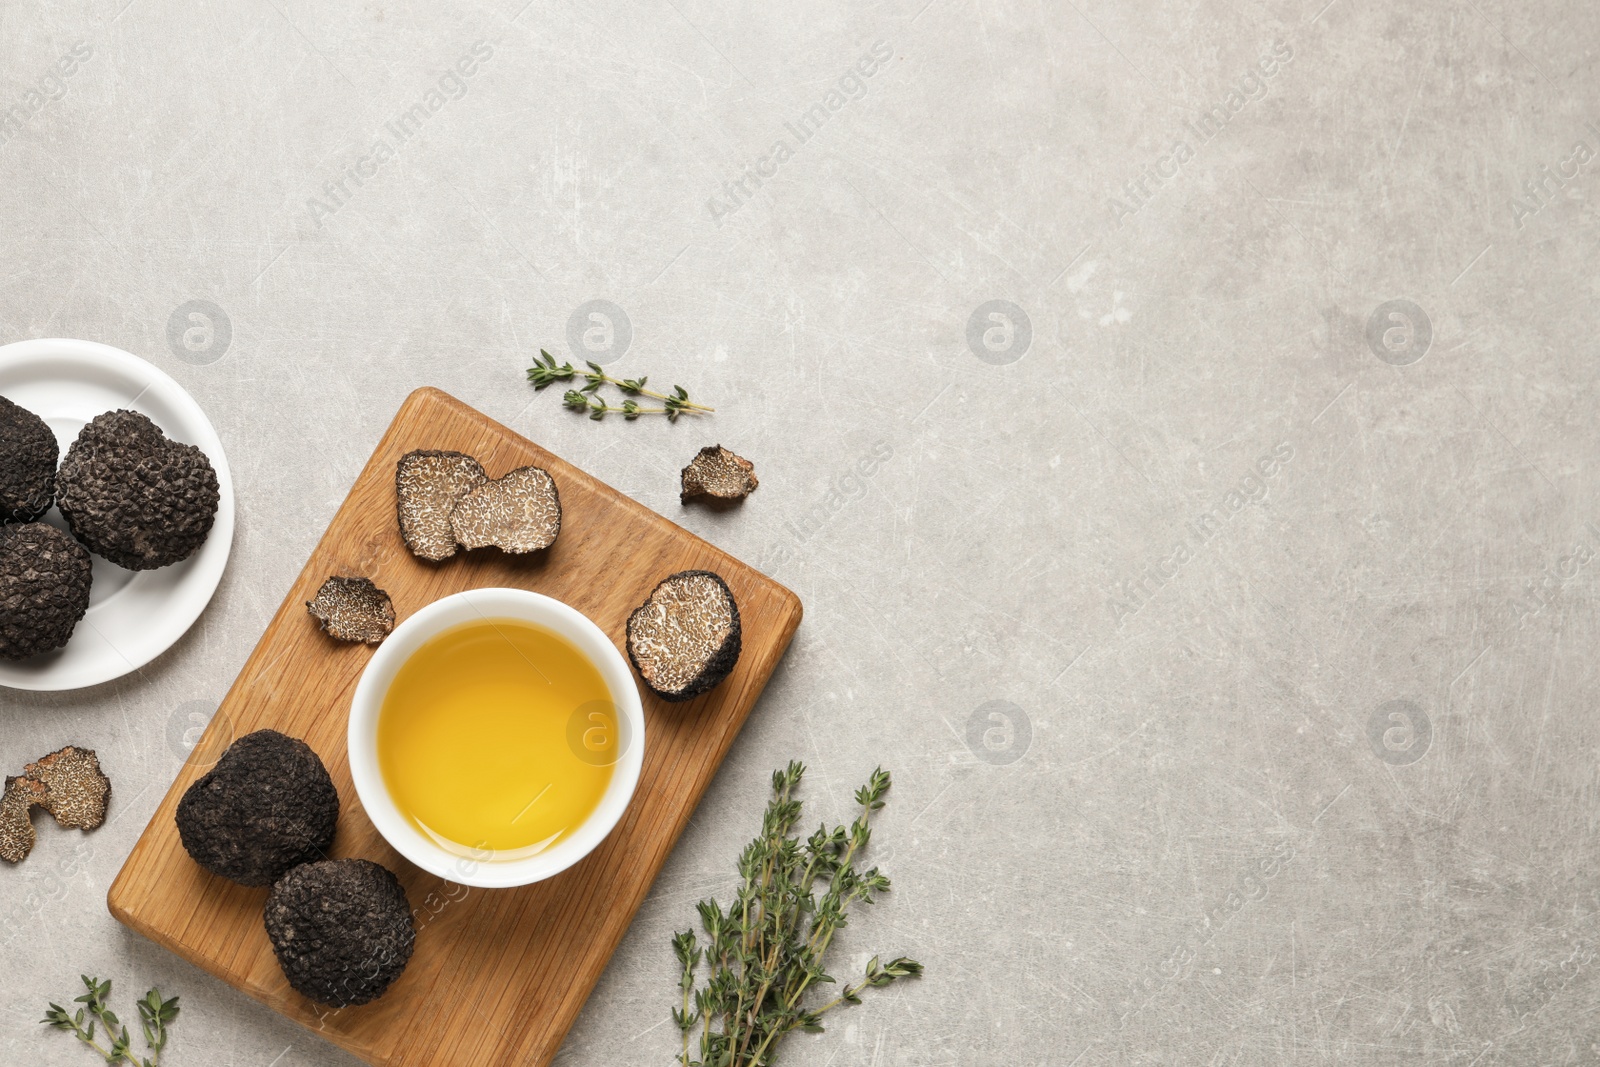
point(459, 866)
point(133, 616)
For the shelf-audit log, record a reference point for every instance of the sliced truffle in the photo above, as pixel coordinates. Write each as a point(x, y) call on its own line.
point(684, 640)
point(428, 485)
point(77, 790)
point(44, 589)
point(341, 929)
point(133, 495)
point(28, 456)
point(715, 472)
point(353, 609)
point(22, 795)
point(266, 807)
point(518, 513)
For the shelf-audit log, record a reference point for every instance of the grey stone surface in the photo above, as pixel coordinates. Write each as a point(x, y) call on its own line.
point(1198, 761)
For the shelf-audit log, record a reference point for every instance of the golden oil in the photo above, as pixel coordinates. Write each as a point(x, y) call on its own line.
point(497, 737)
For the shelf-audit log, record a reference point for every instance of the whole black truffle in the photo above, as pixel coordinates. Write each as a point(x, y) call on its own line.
point(685, 639)
point(44, 589)
point(28, 455)
point(134, 496)
point(341, 929)
point(268, 805)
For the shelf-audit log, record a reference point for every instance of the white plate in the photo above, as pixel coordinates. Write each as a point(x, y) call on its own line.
point(133, 616)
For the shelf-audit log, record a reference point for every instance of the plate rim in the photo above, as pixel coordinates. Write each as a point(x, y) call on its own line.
point(111, 357)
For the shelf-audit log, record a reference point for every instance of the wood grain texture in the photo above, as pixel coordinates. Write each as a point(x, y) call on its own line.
point(499, 975)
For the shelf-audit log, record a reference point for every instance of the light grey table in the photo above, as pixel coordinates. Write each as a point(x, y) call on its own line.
point(1223, 599)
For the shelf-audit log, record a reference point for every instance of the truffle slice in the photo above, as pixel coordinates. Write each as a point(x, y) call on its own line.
point(715, 472)
point(684, 640)
point(77, 791)
point(134, 496)
point(266, 807)
point(428, 484)
point(353, 609)
point(22, 795)
point(44, 589)
point(28, 456)
point(518, 513)
point(341, 929)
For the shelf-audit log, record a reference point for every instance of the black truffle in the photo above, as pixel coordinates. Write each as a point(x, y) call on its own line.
point(341, 929)
point(685, 640)
point(719, 474)
point(28, 455)
point(427, 486)
point(77, 790)
point(44, 589)
point(134, 496)
point(17, 835)
point(267, 806)
point(518, 513)
point(353, 609)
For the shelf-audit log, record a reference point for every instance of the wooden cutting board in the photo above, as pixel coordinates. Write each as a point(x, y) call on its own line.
point(499, 975)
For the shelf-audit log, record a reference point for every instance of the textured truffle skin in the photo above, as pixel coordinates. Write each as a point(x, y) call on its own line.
point(267, 806)
point(718, 474)
point(28, 456)
point(341, 929)
point(44, 589)
point(134, 496)
point(353, 609)
point(717, 667)
point(428, 484)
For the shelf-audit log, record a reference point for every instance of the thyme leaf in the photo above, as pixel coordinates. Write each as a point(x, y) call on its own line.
point(767, 949)
point(546, 372)
point(155, 1015)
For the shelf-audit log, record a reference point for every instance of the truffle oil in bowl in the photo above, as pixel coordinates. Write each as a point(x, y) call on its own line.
point(497, 738)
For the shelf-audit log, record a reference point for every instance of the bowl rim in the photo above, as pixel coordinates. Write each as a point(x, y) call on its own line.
point(367, 703)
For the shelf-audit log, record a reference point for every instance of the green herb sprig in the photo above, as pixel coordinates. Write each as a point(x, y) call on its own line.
point(155, 1015)
point(767, 950)
point(545, 372)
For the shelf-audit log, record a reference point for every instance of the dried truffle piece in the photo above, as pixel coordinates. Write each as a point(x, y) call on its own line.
point(134, 496)
point(518, 513)
point(28, 456)
point(22, 795)
point(715, 472)
point(428, 485)
point(353, 609)
point(684, 640)
point(266, 807)
point(341, 929)
point(78, 791)
point(44, 589)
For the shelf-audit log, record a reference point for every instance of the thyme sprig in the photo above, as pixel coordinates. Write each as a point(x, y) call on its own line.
point(545, 372)
point(628, 409)
point(155, 1015)
point(767, 950)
